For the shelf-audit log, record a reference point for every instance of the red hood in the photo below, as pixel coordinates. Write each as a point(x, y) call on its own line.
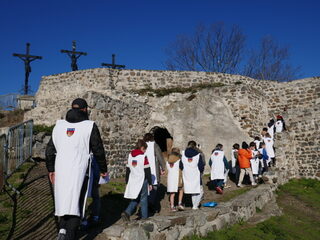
point(136, 152)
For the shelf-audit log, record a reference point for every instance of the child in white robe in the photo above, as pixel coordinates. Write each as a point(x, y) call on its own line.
point(257, 142)
point(219, 165)
point(192, 167)
point(138, 179)
point(269, 148)
point(254, 161)
point(174, 179)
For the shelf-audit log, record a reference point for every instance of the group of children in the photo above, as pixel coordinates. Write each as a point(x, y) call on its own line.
point(184, 169)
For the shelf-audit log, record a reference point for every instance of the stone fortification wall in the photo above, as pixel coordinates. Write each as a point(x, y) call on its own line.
point(101, 79)
point(243, 103)
point(299, 103)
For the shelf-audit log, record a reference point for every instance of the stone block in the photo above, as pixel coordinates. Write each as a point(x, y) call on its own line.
point(113, 231)
point(134, 233)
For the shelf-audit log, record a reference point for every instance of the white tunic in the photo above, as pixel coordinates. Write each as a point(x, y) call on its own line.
point(191, 174)
point(173, 176)
point(71, 141)
point(269, 147)
point(271, 131)
point(279, 126)
point(136, 177)
point(152, 161)
point(257, 142)
point(255, 165)
point(217, 167)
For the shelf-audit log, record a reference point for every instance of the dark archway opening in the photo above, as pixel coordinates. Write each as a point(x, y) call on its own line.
point(163, 138)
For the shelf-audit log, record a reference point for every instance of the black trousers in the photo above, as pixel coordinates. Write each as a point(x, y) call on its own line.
point(71, 224)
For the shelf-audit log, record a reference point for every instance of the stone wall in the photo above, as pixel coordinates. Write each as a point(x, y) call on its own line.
point(234, 112)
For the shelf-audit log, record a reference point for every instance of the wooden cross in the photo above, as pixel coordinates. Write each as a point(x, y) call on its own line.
point(27, 58)
point(74, 55)
point(113, 65)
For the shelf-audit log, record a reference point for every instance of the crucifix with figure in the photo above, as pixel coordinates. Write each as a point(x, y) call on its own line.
point(74, 55)
point(27, 58)
point(113, 65)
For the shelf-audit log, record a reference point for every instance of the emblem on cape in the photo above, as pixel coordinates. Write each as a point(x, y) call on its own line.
point(216, 153)
point(134, 163)
point(190, 160)
point(171, 165)
point(70, 131)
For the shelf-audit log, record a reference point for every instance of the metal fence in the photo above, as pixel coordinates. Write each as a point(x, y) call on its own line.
point(3, 143)
point(8, 101)
point(16, 148)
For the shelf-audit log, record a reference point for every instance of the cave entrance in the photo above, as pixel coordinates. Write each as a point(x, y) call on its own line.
point(163, 138)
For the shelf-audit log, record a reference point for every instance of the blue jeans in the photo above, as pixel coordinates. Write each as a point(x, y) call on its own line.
point(142, 199)
point(218, 182)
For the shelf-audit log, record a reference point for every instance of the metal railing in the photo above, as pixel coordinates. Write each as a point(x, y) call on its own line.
point(8, 101)
point(3, 143)
point(16, 148)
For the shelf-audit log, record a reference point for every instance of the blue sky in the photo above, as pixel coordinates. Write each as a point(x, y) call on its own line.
point(138, 31)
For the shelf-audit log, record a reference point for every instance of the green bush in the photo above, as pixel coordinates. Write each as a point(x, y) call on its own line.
point(42, 128)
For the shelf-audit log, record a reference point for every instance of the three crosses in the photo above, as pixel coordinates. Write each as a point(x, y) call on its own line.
point(74, 56)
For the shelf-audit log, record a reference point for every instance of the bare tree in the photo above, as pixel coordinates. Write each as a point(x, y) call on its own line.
point(270, 62)
point(212, 49)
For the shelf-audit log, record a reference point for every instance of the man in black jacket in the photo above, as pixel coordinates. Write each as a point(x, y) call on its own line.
point(69, 223)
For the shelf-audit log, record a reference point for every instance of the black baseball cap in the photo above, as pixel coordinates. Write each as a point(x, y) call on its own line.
point(79, 103)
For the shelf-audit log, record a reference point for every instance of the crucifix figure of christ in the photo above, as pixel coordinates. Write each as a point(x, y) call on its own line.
point(113, 65)
point(27, 58)
point(74, 55)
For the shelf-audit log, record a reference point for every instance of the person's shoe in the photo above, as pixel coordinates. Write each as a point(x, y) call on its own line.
point(219, 190)
point(227, 186)
point(62, 234)
point(84, 225)
point(173, 209)
point(125, 217)
point(195, 208)
point(180, 207)
point(93, 221)
point(253, 184)
point(240, 185)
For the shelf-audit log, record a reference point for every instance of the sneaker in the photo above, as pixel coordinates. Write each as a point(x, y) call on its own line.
point(195, 208)
point(219, 190)
point(253, 184)
point(62, 234)
point(125, 217)
point(173, 209)
point(227, 186)
point(180, 207)
point(240, 185)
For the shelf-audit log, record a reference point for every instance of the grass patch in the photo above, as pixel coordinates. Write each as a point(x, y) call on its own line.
point(6, 203)
point(114, 186)
point(42, 128)
point(230, 195)
point(160, 92)
point(17, 177)
point(300, 202)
